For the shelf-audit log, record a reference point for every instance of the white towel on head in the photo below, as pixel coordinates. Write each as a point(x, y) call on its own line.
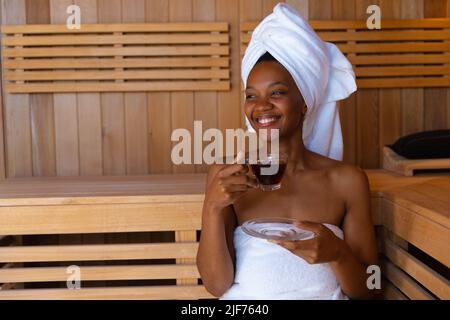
point(267, 271)
point(322, 73)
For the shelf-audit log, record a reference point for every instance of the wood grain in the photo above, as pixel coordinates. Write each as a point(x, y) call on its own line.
point(182, 103)
point(17, 109)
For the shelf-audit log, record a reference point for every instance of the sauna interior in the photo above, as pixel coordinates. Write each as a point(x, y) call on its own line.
point(87, 116)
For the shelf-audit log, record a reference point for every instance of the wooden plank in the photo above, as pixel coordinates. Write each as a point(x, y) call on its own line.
point(116, 75)
point(118, 27)
point(158, 106)
point(406, 83)
point(401, 71)
point(429, 200)
point(390, 118)
point(66, 113)
point(320, 10)
point(100, 218)
point(125, 63)
point(435, 108)
point(345, 9)
point(66, 134)
point(67, 40)
point(182, 103)
point(405, 47)
point(2, 132)
point(367, 113)
point(399, 59)
point(396, 163)
point(180, 237)
point(66, 123)
point(89, 112)
point(404, 283)
point(121, 87)
point(132, 272)
point(253, 16)
point(113, 115)
point(42, 110)
point(230, 112)
point(205, 103)
point(390, 292)
point(102, 252)
point(423, 233)
point(43, 134)
point(380, 36)
point(435, 99)
point(17, 109)
point(119, 293)
point(427, 277)
point(367, 110)
point(136, 118)
point(200, 50)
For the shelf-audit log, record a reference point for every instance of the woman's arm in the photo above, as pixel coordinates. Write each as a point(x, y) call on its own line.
point(348, 258)
point(215, 256)
point(359, 250)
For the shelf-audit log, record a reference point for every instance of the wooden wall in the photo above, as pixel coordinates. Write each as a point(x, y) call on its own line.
point(128, 134)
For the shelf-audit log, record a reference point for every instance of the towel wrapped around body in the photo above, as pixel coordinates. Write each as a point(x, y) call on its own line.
point(267, 271)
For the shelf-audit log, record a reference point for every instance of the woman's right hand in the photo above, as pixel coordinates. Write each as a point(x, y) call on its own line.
point(228, 184)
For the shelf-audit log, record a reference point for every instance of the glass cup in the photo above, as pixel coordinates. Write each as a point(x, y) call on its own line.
point(269, 171)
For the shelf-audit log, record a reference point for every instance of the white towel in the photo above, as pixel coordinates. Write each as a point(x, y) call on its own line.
point(322, 73)
point(267, 271)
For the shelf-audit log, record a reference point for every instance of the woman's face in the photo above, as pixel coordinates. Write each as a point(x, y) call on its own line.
point(273, 100)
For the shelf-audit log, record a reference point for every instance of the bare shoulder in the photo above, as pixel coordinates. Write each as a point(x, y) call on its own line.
point(349, 180)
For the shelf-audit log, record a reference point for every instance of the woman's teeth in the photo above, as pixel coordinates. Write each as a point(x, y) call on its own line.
point(267, 120)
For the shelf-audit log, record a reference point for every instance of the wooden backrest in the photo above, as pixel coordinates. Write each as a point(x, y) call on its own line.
point(116, 57)
point(404, 53)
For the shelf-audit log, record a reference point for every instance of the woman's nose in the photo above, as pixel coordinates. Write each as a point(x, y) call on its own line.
point(264, 104)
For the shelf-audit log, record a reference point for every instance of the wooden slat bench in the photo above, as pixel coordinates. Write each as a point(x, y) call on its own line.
point(408, 211)
point(404, 53)
point(116, 57)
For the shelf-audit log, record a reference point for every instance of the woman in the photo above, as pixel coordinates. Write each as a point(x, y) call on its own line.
point(292, 82)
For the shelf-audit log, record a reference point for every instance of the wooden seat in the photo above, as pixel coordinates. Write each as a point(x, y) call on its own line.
point(408, 211)
point(403, 54)
point(116, 57)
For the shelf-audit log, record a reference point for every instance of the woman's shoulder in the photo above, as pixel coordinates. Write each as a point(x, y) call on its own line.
point(341, 173)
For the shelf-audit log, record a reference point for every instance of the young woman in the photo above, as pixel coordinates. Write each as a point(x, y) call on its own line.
point(325, 196)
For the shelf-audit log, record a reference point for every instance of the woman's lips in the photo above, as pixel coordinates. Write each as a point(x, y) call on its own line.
point(267, 120)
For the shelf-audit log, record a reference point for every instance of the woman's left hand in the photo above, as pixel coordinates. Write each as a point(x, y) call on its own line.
point(324, 247)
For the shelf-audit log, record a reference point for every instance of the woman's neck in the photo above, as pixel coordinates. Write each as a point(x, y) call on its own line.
point(293, 146)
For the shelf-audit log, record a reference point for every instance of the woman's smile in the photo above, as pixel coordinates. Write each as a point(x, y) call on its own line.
point(267, 120)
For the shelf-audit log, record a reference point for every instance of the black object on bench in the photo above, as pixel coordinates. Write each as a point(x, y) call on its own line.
point(424, 145)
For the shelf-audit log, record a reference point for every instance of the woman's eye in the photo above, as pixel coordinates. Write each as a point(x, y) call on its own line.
point(249, 96)
point(277, 93)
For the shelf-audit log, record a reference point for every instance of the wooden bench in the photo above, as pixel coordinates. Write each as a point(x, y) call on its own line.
point(408, 211)
point(116, 57)
point(403, 54)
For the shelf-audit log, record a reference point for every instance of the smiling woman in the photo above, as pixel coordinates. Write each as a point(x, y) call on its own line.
point(292, 80)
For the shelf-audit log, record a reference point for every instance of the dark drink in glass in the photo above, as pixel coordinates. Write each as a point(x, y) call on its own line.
point(270, 178)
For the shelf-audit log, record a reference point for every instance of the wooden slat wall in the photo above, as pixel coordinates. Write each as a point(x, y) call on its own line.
point(127, 134)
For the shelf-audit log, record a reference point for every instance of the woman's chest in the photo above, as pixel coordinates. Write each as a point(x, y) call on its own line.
point(308, 200)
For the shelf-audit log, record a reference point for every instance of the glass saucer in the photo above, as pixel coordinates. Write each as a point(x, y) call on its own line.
point(276, 229)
